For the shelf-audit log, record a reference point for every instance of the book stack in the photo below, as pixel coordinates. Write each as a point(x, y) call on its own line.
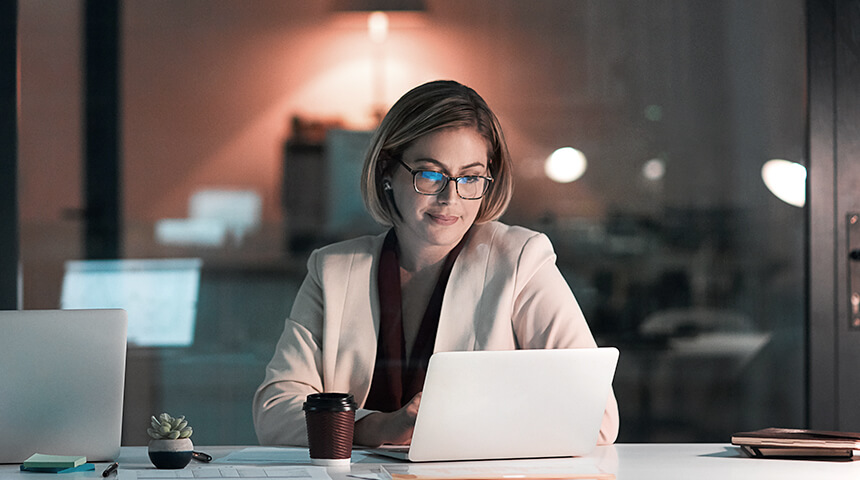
point(42, 463)
point(798, 443)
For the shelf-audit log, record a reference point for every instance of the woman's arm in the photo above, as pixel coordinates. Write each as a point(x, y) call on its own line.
point(295, 369)
point(327, 343)
point(547, 315)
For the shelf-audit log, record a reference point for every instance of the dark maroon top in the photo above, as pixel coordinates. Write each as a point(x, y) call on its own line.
point(395, 379)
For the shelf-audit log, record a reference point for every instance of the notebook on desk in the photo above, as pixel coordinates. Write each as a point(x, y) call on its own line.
point(61, 383)
point(510, 404)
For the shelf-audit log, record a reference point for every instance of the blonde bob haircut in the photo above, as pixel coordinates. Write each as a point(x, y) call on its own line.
point(426, 109)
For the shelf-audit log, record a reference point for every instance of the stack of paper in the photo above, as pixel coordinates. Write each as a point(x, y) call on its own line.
point(42, 463)
point(794, 442)
point(493, 471)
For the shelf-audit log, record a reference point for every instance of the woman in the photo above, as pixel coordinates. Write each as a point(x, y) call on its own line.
point(446, 276)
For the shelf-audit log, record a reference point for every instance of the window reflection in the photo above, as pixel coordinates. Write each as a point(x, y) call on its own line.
point(675, 248)
point(160, 296)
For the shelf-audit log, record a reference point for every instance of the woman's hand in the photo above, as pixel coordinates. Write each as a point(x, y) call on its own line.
point(393, 428)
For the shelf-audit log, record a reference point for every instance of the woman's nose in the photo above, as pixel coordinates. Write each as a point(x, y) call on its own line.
point(449, 194)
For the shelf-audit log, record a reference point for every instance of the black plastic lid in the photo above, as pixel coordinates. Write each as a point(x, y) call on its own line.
point(329, 402)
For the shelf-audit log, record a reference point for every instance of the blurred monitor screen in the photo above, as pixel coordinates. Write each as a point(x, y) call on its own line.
point(159, 295)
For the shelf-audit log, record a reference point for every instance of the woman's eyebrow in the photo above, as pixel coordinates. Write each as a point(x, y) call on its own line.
point(439, 164)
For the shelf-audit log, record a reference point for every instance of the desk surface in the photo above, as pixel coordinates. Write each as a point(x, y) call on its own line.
point(625, 461)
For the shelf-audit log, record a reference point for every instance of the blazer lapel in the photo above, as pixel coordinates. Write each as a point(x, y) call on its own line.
point(461, 304)
point(357, 319)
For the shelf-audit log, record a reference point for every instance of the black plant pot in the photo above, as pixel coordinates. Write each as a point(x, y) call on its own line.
point(170, 454)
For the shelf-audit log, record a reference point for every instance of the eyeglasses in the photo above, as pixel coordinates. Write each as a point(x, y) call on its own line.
point(430, 182)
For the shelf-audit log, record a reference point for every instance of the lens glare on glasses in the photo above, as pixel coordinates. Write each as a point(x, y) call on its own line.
point(429, 177)
point(468, 187)
point(429, 182)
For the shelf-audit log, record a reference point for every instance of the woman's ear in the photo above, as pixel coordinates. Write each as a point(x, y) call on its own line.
point(383, 166)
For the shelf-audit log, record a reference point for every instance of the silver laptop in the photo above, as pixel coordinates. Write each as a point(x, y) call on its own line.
point(61, 383)
point(510, 404)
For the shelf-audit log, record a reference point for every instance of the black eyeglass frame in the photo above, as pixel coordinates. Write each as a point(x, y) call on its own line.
point(448, 179)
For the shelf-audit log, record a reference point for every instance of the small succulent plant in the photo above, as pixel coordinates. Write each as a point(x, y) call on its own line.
point(167, 427)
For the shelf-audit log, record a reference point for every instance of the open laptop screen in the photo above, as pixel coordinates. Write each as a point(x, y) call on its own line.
point(61, 383)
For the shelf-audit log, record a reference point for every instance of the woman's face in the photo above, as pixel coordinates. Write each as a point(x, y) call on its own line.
point(436, 221)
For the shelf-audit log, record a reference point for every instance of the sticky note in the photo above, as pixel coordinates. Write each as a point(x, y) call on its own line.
point(80, 468)
point(39, 460)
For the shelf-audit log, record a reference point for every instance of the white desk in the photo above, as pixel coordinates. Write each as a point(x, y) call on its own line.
point(625, 461)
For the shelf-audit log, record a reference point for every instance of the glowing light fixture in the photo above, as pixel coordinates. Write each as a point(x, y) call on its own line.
point(786, 180)
point(565, 165)
point(381, 16)
point(654, 169)
point(377, 26)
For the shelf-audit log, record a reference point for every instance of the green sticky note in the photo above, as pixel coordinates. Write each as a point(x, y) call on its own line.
point(40, 460)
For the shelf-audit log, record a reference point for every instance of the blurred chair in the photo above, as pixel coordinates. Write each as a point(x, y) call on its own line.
point(691, 321)
point(695, 375)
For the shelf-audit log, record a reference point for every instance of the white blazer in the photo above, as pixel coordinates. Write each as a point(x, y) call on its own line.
point(505, 292)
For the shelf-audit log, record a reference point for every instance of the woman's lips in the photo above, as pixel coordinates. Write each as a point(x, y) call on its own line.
point(443, 219)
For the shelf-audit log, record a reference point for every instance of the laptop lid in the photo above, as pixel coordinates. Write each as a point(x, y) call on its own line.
point(61, 384)
point(512, 404)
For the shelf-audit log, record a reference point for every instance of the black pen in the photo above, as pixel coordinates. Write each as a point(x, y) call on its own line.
point(110, 469)
point(201, 457)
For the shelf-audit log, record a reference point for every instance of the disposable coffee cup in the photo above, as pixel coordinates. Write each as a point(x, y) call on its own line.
point(330, 418)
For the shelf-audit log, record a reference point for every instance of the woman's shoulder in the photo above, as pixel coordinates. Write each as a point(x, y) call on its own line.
point(353, 245)
point(334, 253)
point(501, 235)
point(510, 250)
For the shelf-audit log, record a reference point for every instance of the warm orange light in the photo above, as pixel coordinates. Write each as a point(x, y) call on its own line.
point(377, 26)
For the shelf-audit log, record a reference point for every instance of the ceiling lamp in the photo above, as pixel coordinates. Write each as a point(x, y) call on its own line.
point(565, 165)
point(786, 180)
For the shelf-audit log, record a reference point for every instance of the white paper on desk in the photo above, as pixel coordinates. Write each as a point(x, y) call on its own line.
point(275, 455)
point(227, 471)
point(487, 470)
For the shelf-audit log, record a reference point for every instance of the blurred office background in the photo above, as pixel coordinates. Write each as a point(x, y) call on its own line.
point(640, 133)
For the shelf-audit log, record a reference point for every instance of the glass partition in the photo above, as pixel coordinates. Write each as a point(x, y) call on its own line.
point(640, 133)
